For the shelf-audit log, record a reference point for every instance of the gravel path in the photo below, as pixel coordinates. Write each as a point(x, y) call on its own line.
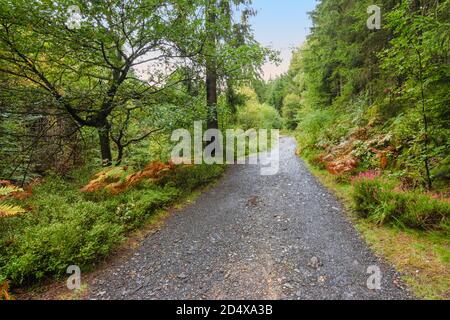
point(253, 237)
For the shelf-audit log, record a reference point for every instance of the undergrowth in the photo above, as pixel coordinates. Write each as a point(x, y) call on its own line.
point(377, 201)
point(64, 226)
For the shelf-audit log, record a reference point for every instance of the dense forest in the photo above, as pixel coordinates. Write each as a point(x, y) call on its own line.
point(381, 96)
point(89, 99)
point(107, 90)
point(372, 108)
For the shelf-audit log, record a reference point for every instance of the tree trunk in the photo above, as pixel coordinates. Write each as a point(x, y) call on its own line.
point(425, 124)
point(416, 6)
point(105, 145)
point(119, 154)
point(211, 94)
point(211, 69)
point(231, 97)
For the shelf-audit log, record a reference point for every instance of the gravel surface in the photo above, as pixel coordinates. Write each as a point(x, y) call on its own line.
point(254, 237)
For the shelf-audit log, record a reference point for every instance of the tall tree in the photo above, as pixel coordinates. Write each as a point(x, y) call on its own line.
point(211, 63)
point(87, 72)
point(392, 81)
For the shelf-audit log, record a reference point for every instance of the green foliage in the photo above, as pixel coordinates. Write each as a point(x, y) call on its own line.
point(417, 55)
point(254, 115)
point(276, 90)
point(380, 96)
point(289, 111)
point(190, 178)
point(63, 90)
point(126, 73)
point(378, 201)
point(389, 82)
point(319, 128)
point(66, 227)
point(313, 126)
point(62, 229)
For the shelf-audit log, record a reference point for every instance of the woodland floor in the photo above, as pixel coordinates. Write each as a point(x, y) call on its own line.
point(253, 237)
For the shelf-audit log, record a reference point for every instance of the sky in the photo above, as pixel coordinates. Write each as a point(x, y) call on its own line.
point(282, 25)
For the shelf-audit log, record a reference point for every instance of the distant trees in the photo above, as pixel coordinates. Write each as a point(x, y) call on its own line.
point(393, 81)
point(276, 91)
point(106, 74)
point(253, 114)
point(418, 59)
point(232, 56)
point(291, 104)
point(88, 71)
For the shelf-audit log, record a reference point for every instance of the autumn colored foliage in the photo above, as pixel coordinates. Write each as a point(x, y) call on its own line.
point(342, 165)
point(117, 180)
point(8, 190)
point(4, 291)
point(368, 175)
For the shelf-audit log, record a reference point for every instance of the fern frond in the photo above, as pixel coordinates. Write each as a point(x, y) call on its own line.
point(10, 211)
point(7, 190)
point(4, 291)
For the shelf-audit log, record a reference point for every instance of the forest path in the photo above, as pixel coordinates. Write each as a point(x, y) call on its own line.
point(253, 237)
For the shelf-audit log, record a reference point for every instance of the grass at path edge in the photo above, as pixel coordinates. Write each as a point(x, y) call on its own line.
point(422, 258)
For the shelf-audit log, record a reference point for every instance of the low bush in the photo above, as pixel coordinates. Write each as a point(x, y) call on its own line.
point(291, 104)
point(67, 227)
point(256, 115)
point(56, 234)
point(318, 129)
point(190, 178)
point(377, 200)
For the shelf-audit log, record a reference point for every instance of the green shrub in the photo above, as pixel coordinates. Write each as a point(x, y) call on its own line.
point(66, 227)
point(291, 105)
point(378, 201)
point(57, 235)
point(367, 196)
point(138, 204)
point(190, 178)
point(318, 129)
point(254, 115)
